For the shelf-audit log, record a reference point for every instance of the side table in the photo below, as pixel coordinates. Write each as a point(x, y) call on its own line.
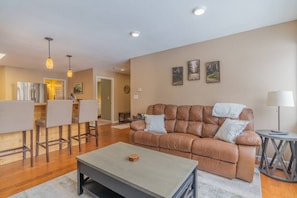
point(123, 116)
point(277, 161)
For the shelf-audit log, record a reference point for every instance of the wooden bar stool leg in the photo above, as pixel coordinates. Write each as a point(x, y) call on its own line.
point(31, 147)
point(60, 137)
point(24, 145)
point(96, 133)
point(46, 145)
point(37, 140)
point(78, 137)
point(87, 130)
point(69, 140)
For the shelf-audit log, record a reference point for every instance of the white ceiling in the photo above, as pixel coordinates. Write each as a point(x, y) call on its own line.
point(96, 32)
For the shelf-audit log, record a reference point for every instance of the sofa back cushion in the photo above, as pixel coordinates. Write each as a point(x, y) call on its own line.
point(170, 118)
point(195, 124)
point(211, 124)
point(182, 119)
point(247, 114)
point(195, 119)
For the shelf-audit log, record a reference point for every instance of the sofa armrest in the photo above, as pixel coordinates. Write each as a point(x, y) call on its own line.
point(138, 125)
point(249, 138)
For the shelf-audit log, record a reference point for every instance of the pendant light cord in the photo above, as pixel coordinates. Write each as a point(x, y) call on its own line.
point(49, 48)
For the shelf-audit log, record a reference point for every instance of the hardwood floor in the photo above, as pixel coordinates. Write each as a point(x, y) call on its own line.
point(18, 176)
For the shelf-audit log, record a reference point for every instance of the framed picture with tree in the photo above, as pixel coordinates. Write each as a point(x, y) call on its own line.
point(177, 76)
point(213, 72)
point(194, 70)
point(78, 88)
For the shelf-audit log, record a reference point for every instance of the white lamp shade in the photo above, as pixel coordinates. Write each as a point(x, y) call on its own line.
point(69, 73)
point(280, 98)
point(49, 63)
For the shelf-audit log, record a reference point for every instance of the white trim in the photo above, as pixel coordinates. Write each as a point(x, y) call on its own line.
point(112, 93)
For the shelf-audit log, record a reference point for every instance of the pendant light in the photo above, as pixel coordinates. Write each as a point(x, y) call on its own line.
point(69, 72)
point(49, 61)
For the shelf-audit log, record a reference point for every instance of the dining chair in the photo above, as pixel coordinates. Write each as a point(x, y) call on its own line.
point(58, 114)
point(17, 116)
point(87, 113)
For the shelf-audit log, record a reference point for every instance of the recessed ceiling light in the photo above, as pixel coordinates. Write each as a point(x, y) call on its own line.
point(2, 55)
point(122, 69)
point(135, 34)
point(199, 11)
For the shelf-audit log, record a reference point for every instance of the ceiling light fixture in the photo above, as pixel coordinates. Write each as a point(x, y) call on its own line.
point(69, 72)
point(199, 11)
point(135, 34)
point(49, 61)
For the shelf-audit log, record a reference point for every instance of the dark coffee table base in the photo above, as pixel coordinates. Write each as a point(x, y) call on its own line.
point(97, 190)
point(96, 185)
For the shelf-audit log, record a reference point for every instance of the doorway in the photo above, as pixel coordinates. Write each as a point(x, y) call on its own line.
point(105, 98)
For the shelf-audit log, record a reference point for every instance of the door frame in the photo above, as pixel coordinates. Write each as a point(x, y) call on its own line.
point(112, 93)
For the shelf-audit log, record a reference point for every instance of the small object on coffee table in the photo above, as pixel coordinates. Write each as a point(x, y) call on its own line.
point(133, 157)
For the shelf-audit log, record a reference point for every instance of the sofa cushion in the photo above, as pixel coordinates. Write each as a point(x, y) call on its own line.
point(147, 139)
point(215, 149)
point(155, 123)
point(158, 109)
point(177, 141)
point(182, 118)
point(170, 117)
point(195, 128)
point(211, 123)
point(230, 129)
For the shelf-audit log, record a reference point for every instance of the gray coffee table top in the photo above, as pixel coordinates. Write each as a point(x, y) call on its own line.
point(155, 172)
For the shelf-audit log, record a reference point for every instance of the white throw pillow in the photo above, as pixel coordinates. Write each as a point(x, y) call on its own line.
point(230, 129)
point(155, 123)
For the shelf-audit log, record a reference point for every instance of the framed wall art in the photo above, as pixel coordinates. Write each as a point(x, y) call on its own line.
point(177, 76)
point(78, 88)
point(194, 70)
point(213, 72)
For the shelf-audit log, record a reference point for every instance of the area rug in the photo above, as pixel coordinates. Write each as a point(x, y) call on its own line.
point(209, 186)
point(121, 126)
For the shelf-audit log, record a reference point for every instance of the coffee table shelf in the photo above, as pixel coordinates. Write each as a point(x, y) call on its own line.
point(99, 191)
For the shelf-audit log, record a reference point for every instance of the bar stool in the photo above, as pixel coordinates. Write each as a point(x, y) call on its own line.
point(17, 116)
point(88, 112)
point(58, 114)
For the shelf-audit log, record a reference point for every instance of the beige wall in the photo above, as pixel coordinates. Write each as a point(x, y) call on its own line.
point(86, 78)
point(14, 74)
point(252, 63)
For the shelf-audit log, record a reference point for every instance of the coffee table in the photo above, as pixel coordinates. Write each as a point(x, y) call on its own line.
point(154, 174)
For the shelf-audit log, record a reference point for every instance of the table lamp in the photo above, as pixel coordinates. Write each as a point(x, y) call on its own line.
point(280, 99)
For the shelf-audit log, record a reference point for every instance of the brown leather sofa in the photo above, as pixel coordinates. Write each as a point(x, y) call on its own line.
point(190, 134)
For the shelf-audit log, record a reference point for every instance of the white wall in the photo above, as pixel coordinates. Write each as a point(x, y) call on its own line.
point(252, 63)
